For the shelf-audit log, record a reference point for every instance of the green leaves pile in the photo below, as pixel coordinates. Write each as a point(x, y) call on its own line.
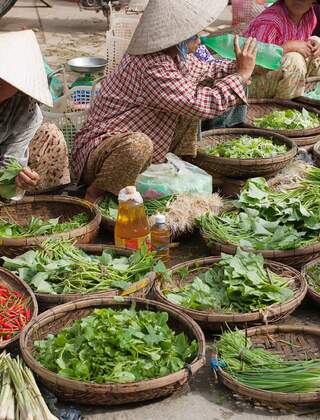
point(109, 206)
point(260, 369)
point(313, 277)
point(8, 173)
point(59, 268)
point(39, 227)
point(289, 119)
point(237, 283)
point(116, 346)
point(246, 147)
point(269, 220)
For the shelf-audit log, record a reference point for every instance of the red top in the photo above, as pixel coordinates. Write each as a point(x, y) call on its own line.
point(274, 25)
point(148, 93)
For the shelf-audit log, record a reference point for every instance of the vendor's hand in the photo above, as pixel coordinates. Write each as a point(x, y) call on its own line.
point(315, 48)
point(246, 58)
point(27, 178)
point(301, 47)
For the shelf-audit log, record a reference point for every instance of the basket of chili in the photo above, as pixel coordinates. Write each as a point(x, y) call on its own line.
point(18, 306)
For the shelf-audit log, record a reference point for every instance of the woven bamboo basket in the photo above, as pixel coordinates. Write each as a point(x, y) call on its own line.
point(291, 342)
point(316, 153)
point(292, 257)
point(259, 107)
point(218, 320)
point(242, 168)
point(47, 301)
point(47, 207)
point(11, 280)
point(52, 321)
point(315, 296)
point(311, 84)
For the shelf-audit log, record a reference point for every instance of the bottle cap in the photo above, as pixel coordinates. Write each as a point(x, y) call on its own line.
point(160, 218)
point(130, 193)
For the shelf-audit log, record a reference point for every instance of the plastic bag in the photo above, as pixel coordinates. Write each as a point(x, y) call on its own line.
point(173, 177)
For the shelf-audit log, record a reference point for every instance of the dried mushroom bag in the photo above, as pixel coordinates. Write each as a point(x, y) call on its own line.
point(174, 177)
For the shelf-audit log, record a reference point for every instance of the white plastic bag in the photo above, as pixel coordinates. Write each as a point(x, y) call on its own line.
point(173, 177)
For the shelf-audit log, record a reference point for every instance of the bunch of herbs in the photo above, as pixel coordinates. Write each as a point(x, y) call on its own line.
point(289, 119)
point(246, 147)
point(116, 346)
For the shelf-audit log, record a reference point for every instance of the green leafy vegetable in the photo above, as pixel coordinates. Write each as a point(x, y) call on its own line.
point(39, 227)
point(111, 346)
point(291, 119)
point(59, 267)
point(260, 369)
point(8, 173)
point(269, 220)
point(246, 147)
point(237, 283)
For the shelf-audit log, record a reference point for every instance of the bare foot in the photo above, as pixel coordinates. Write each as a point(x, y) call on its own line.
point(93, 193)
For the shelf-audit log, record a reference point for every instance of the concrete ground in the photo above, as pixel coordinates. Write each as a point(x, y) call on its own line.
point(64, 32)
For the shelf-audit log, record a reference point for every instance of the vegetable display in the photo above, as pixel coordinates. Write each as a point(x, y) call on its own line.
point(269, 220)
point(116, 346)
point(20, 397)
point(246, 147)
point(260, 369)
point(59, 267)
point(14, 312)
point(109, 206)
point(239, 283)
point(8, 173)
point(289, 119)
point(38, 227)
point(313, 277)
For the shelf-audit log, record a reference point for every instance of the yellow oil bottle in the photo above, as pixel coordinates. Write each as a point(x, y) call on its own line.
point(160, 238)
point(132, 225)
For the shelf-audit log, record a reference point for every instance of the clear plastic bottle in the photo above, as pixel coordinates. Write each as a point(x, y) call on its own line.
point(269, 56)
point(160, 238)
point(132, 225)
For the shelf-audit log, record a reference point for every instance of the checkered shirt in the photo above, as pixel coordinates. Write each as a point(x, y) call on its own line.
point(148, 94)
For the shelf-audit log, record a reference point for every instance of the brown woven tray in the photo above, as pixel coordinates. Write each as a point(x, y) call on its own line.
point(53, 320)
point(218, 320)
point(316, 153)
point(261, 107)
point(48, 207)
point(290, 342)
point(12, 281)
point(292, 257)
point(311, 84)
point(242, 168)
point(47, 301)
point(315, 296)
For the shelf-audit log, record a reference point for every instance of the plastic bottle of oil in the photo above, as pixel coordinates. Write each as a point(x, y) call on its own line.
point(160, 238)
point(132, 226)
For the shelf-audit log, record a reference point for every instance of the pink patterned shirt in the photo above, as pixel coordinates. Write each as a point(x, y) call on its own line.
point(274, 26)
point(148, 93)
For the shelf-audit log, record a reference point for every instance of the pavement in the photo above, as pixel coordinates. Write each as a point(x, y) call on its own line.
point(65, 32)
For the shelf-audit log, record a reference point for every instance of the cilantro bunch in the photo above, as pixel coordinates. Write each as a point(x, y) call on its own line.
point(116, 346)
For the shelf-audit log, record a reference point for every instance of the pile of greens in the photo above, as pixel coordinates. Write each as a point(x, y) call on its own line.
point(8, 173)
point(290, 119)
point(269, 220)
point(116, 346)
point(260, 369)
point(39, 227)
point(239, 283)
point(109, 206)
point(59, 267)
point(246, 147)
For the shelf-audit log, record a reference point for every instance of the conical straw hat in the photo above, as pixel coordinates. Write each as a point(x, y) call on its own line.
point(22, 66)
point(165, 23)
